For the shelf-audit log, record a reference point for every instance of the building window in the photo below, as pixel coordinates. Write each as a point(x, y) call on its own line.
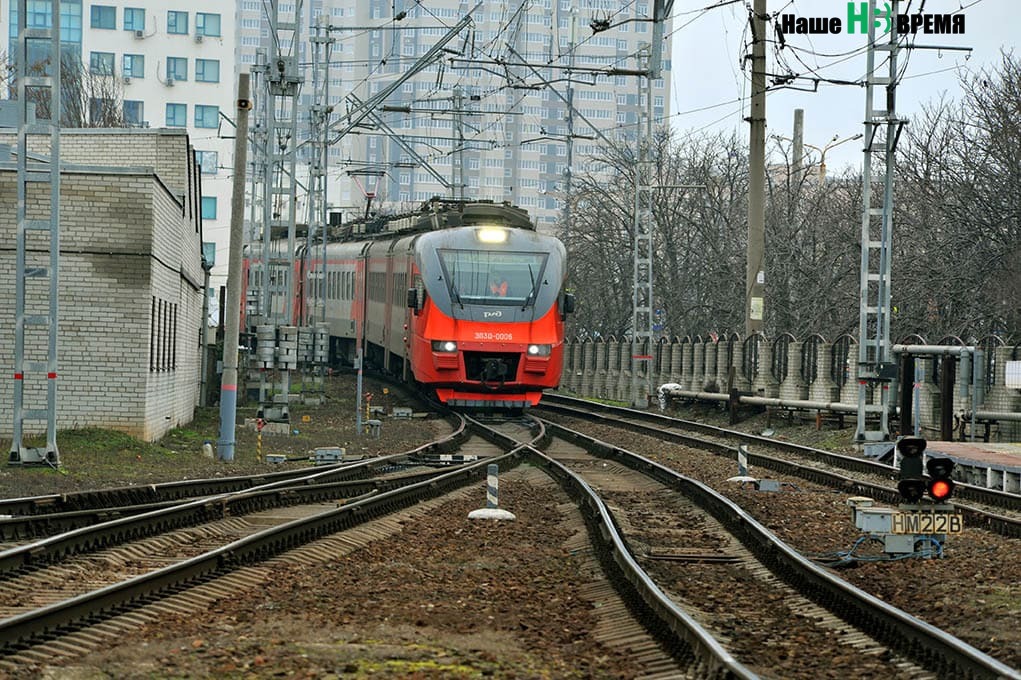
point(177, 68)
point(207, 116)
point(209, 207)
point(134, 19)
point(207, 24)
point(177, 23)
point(104, 16)
point(177, 115)
point(103, 112)
point(133, 112)
point(101, 63)
point(208, 161)
point(207, 70)
point(39, 15)
point(134, 65)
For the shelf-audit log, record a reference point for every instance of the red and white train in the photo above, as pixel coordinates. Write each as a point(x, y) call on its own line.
point(465, 299)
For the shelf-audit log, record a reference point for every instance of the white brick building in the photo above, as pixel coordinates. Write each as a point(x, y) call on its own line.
point(130, 281)
point(172, 62)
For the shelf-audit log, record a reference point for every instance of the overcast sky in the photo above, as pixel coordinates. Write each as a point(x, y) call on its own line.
point(707, 58)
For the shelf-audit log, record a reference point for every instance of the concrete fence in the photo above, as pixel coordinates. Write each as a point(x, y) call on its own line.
point(786, 368)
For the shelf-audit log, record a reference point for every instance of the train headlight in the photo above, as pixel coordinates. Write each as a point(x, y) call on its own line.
point(492, 235)
point(539, 350)
point(444, 346)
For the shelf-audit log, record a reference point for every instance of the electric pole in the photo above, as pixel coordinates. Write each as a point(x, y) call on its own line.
point(232, 307)
point(37, 247)
point(798, 149)
point(644, 251)
point(569, 170)
point(882, 128)
point(755, 277)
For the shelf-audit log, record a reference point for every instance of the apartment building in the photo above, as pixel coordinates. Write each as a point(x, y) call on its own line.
point(174, 64)
point(169, 64)
point(515, 137)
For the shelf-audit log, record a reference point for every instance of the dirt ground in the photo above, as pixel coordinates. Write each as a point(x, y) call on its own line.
point(440, 599)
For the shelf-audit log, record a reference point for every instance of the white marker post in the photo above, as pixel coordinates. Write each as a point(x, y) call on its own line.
point(492, 509)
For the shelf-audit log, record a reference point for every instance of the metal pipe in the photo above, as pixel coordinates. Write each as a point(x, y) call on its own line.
point(701, 396)
point(938, 350)
point(993, 415)
point(764, 401)
point(800, 403)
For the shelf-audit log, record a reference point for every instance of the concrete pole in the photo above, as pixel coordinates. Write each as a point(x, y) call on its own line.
point(755, 277)
point(798, 151)
point(232, 310)
point(569, 170)
point(203, 333)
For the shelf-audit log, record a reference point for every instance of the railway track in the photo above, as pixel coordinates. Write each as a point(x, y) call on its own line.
point(93, 603)
point(662, 638)
point(994, 510)
point(761, 603)
point(66, 583)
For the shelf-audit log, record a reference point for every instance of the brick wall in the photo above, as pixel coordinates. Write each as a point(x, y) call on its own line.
point(127, 239)
point(165, 151)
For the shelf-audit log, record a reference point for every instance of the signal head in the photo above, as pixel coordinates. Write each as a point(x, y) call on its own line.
point(911, 447)
point(911, 484)
point(941, 485)
point(911, 490)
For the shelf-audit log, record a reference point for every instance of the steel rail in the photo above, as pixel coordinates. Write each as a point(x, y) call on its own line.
point(48, 622)
point(317, 486)
point(180, 490)
point(1000, 524)
point(661, 616)
point(931, 647)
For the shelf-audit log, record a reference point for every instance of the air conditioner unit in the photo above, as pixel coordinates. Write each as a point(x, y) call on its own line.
point(198, 37)
point(139, 34)
point(170, 82)
point(127, 80)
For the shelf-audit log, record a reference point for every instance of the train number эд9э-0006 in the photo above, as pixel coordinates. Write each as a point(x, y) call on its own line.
point(927, 523)
point(484, 335)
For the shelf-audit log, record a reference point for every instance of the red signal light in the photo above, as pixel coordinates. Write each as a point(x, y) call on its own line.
point(941, 486)
point(941, 489)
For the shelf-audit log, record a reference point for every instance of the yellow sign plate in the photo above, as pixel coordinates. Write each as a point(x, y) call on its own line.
point(927, 523)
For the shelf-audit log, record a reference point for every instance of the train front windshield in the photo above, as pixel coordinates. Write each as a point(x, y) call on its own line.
point(489, 277)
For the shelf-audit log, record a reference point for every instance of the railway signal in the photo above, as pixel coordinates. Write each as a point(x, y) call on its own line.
point(912, 482)
point(941, 486)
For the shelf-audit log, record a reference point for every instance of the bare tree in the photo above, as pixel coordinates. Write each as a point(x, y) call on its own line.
point(812, 250)
point(957, 229)
point(698, 236)
point(91, 94)
point(956, 259)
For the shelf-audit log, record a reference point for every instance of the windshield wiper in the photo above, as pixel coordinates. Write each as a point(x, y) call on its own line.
point(453, 289)
point(531, 293)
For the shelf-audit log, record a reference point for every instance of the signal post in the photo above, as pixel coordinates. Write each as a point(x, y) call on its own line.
point(919, 526)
